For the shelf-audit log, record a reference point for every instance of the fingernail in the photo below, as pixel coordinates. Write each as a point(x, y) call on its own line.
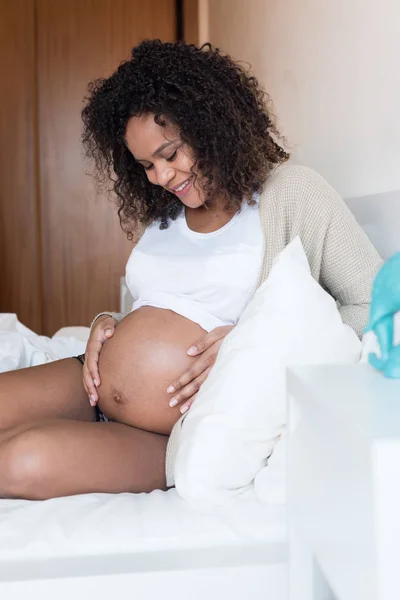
point(173, 402)
point(192, 350)
point(96, 383)
point(108, 332)
point(92, 400)
point(170, 389)
point(184, 409)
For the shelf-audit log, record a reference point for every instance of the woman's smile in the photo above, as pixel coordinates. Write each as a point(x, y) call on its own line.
point(183, 189)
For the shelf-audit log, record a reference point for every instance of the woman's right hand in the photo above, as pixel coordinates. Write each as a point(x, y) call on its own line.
point(102, 329)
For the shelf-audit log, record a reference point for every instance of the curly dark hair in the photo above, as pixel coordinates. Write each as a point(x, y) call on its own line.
point(220, 110)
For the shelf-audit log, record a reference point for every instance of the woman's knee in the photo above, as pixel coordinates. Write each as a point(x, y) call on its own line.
point(26, 465)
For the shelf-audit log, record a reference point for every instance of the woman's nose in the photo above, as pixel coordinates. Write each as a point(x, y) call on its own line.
point(165, 175)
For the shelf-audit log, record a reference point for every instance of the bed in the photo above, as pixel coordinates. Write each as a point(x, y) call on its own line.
point(155, 544)
point(148, 545)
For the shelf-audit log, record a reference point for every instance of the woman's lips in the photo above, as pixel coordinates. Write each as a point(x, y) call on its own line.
point(185, 190)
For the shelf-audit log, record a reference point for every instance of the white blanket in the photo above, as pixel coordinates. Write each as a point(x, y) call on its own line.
point(20, 347)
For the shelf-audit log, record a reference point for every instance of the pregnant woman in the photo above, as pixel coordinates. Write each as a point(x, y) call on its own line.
point(187, 139)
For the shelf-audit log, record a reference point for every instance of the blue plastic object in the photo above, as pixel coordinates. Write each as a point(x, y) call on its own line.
point(385, 303)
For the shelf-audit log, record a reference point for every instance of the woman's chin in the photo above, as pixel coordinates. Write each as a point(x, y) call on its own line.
point(193, 199)
point(192, 203)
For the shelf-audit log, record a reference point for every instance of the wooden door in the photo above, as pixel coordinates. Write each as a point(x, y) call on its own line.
point(20, 276)
point(84, 251)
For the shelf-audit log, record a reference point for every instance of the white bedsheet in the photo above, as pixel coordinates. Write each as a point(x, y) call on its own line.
point(106, 524)
point(20, 347)
point(94, 524)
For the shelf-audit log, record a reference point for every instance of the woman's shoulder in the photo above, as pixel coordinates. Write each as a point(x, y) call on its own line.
point(297, 178)
point(298, 187)
point(291, 171)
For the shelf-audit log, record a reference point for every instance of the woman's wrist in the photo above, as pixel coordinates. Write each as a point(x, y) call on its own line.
point(114, 315)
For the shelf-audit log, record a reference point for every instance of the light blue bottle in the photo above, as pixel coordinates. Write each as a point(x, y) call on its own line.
point(385, 303)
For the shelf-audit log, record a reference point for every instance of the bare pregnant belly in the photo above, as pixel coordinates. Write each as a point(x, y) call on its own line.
point(145, 355)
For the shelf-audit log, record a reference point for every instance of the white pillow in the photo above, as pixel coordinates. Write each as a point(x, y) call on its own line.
point(240, 411)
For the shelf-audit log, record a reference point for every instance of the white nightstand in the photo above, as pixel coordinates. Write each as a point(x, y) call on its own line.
point(344, 484)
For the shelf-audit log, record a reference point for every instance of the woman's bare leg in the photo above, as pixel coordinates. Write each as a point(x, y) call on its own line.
point(64, 457)
point(51, 391)
point(50, 446)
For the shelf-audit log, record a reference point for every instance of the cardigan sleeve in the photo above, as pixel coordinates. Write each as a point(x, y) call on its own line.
point(349, 261)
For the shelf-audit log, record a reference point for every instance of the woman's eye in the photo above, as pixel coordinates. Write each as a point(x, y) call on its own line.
point(172, 157)
point(169, 159)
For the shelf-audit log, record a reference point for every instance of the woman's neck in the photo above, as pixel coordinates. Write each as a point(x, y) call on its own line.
point(206, 219)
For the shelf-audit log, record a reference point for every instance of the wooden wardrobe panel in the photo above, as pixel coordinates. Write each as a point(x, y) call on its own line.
point(84, 249)
point(191, 21)
point(19, 250)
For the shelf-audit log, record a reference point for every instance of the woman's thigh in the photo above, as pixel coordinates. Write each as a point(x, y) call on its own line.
point(51, 391)
point(65, 457)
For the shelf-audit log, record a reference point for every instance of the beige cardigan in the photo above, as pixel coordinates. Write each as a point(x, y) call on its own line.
point(296, 201)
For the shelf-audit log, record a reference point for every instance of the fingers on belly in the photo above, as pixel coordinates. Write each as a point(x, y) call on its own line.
point(151, 414)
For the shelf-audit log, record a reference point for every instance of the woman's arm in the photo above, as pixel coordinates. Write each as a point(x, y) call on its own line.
point(297, 201)
point(349, 261)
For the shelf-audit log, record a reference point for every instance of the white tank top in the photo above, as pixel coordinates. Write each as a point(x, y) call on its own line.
point(206, 277)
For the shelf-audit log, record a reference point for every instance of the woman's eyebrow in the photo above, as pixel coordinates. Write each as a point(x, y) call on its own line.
point(158, 151)
point(161, 148)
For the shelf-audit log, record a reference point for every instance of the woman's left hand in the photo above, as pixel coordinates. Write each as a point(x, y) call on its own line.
point(191, 380)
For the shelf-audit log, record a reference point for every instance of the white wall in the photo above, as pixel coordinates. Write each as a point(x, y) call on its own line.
point(332, 69)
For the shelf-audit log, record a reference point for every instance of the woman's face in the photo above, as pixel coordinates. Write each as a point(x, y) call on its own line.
point(166, 160)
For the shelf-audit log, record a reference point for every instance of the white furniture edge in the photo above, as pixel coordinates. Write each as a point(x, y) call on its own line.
point(213, 573)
